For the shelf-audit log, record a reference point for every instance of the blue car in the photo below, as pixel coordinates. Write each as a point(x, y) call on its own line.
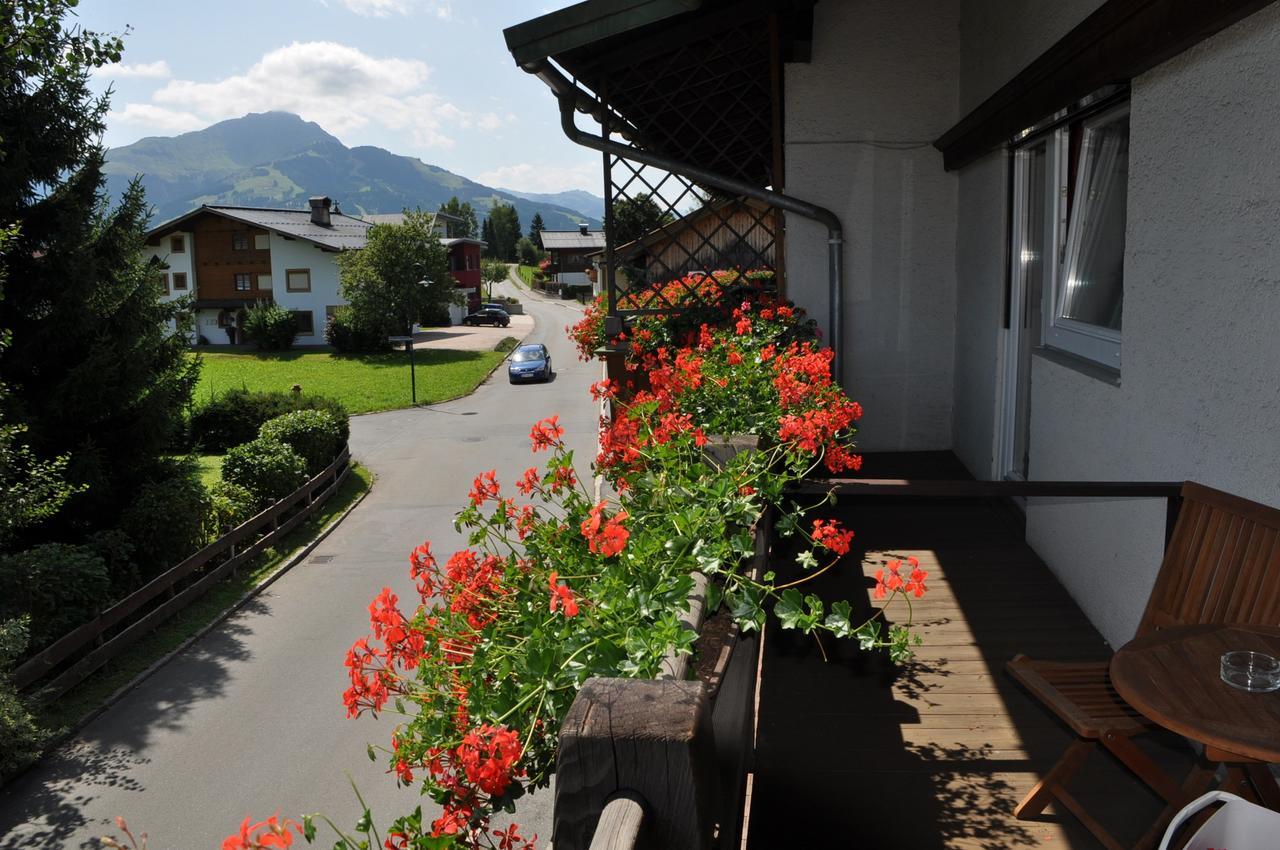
point(529, 363)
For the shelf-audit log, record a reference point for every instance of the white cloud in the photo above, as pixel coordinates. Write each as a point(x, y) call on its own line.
point(377, 8)
point(154, 70)
point(158, 118)
point(339, 87)
point(527, 177)
point(442, 9)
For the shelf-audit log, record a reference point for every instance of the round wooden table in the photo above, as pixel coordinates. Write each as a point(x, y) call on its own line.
point(1172, 677)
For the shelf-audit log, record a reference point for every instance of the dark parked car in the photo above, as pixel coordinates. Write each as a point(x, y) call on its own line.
point(529, 363)
point(488, 316)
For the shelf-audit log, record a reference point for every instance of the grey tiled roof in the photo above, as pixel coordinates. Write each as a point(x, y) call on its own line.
point(568, 239)
point(344, 231)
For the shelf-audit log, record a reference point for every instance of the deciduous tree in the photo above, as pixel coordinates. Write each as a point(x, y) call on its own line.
point(384, 281)
point(634, 217)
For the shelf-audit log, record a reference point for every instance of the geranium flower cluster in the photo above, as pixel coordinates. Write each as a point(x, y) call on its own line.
point(751, 375)
point(555, 585)
point(684, 303)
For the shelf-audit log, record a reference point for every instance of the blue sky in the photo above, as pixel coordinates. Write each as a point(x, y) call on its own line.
point(424, 78)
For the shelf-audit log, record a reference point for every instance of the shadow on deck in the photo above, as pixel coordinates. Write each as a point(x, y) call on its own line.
point(935, 754)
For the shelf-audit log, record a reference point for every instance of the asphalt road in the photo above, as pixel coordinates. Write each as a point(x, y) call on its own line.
point(250, 719)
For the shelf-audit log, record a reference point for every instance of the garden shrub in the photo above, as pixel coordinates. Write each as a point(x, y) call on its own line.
point(350, 336)
point(229, 505)
point(270, 326)
point(436, 316)
point(59, 585)
point(20, 738)
point(314, 434)
point(166, 520)
point(268, 469)
point(235, 416)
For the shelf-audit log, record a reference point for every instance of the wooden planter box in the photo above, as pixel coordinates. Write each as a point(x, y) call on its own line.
point(673, 752)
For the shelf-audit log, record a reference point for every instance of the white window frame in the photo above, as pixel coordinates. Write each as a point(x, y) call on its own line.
point(1092, 342)
point(289, 277)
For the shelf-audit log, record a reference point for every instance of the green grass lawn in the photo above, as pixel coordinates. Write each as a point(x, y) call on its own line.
point(526, 274)
point(210, 470)
point(84, 698)
point(363, 383)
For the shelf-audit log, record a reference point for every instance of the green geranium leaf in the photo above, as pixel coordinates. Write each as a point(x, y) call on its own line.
point(839, 621)
point(868, 635)
point(790, 608)
point(807, 560)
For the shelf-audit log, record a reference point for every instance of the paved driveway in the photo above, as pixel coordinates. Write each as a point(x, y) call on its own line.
point(250, 718)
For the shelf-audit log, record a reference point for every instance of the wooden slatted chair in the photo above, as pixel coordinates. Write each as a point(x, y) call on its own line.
point(1222, 565)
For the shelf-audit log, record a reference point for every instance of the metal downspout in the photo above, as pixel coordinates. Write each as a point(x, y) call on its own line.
point(571, 98)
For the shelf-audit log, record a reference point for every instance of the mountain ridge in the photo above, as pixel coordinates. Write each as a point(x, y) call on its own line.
point(276, 159)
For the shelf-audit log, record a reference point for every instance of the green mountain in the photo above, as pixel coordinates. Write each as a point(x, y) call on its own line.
point(275, 159)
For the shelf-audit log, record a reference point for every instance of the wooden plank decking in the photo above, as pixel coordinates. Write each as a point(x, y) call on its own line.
point(855, 753)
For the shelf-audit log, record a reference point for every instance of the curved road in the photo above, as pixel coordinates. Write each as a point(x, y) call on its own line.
point(249, 719)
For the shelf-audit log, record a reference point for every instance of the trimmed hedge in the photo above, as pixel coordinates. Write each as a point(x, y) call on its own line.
point(268, 469)
point(61, 586)
point(315, 435)
point(230, 505)
point(270, 327)
point(21, 738)
point(348, 336)
point(166, 521)
point(235, 416)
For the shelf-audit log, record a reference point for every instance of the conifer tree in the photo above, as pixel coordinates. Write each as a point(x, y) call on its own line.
point(94, 368)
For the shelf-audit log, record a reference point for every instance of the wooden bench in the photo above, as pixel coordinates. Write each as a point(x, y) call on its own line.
point(1222, 565)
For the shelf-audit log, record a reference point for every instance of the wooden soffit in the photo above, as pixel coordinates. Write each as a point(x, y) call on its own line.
point(1119, 41)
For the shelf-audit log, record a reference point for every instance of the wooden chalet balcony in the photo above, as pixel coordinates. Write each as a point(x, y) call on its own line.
point(855, 753)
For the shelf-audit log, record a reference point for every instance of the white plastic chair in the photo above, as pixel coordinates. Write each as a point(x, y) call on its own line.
point(1238, 825)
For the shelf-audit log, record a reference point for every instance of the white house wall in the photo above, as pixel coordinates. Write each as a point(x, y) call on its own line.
point(1000, 38)
point(297, 254)
point(177, 263)
point(860, 117)
point(1199, 388)
point(1199, 393)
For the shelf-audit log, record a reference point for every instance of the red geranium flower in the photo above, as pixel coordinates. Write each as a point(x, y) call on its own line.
point(562, 597)
point(546, 433)
point(605, 537)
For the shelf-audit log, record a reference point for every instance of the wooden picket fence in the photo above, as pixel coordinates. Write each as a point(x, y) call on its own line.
point(73, 657)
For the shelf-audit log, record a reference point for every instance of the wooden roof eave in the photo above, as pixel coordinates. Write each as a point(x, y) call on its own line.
point(587, 23)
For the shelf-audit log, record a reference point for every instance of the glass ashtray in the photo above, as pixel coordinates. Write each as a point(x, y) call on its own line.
point(1255, 672)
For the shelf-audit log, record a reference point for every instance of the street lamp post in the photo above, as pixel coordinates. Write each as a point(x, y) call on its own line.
point(413, 378)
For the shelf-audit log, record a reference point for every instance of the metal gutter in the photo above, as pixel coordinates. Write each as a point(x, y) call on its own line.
point(572, 98)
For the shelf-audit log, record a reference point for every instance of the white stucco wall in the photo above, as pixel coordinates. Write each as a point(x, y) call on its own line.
point(297, 254)
point(1199, 393)
point(882, 84)
point(177, 263)
point(1001, 38)
point(980, 296)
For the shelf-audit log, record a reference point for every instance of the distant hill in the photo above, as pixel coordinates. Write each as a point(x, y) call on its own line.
point(275, 159)
point(575, 199)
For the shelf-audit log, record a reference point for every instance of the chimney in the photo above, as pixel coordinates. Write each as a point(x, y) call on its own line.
point(582, 228)
point(320, 210)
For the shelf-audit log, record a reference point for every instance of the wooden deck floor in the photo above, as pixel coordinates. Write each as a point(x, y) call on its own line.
point(855, 753)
